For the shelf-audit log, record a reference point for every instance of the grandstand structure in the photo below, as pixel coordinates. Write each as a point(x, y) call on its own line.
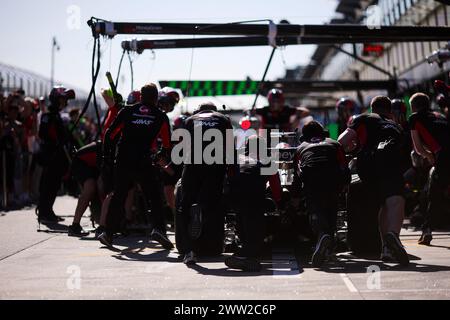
point(35, 85)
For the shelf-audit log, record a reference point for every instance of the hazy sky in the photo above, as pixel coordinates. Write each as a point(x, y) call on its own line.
point(27, 27)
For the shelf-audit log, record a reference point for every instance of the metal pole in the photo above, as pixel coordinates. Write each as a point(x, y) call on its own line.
point(247, 41)
point(141, 45)
point(5, 191)
point(358, 92)
point(354, 56)
point(55, 47)
point(261, 84)
point(401, 33)
point(8, 84)
point(52, 74)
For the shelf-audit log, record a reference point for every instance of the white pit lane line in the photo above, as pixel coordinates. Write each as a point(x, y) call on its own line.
point(283, 265)
point(350, 286)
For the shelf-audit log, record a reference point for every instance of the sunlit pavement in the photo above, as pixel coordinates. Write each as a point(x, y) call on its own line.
point(40, 265)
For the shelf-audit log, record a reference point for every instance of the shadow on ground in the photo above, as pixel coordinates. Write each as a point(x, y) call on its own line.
point(52, 228)
point(134, 248)
point(349, 263)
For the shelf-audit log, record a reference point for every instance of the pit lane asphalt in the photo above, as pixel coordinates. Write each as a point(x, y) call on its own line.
point(40, 265)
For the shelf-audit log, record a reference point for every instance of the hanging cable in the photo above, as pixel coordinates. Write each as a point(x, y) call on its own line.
point(261, 84)
point(131, 70)
point(271, 39)
point(94, 74)
point(94, 80)
point(110, 55)
point(283, 59)
point(95, 52)
point(120, 67)
point(88, 101)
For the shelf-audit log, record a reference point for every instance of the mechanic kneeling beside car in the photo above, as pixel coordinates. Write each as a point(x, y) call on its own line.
point(323, 171)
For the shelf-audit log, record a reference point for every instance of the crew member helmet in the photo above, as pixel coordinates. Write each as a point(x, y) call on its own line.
point(171, 93)
point(275, 95)
point(398, 106)
point(346, 105)
point(312, 130)
point(134, 97)
point(207, 106)
point(60, 92)
point(442, 88)
point(180, 122)
point(399, 110)
point(168, 99)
